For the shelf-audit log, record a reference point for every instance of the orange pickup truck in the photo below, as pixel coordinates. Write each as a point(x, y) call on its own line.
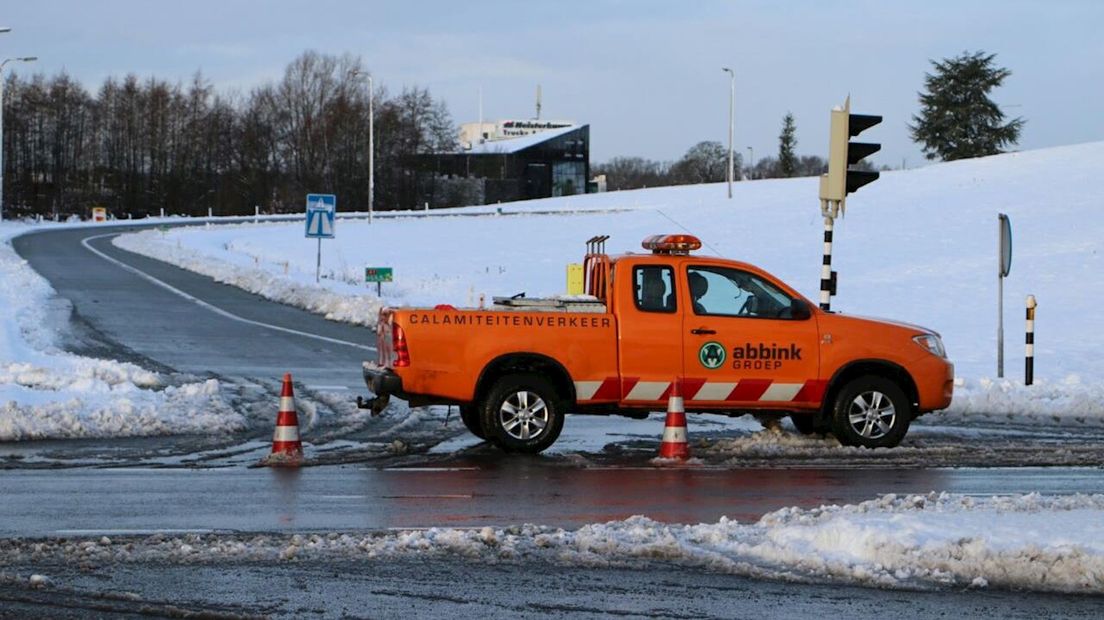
point(738, 339)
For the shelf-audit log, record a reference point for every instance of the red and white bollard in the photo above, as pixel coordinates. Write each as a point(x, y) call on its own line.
point(674, 444)
point(287, 449)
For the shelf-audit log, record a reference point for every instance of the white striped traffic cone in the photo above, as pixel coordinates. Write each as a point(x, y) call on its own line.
point(285, 440)
point(674, 444)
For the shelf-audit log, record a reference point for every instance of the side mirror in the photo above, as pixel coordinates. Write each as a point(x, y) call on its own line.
point(799, 310)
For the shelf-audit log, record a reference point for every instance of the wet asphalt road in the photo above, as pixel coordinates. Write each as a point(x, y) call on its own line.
point(511, 490)
point(449, 589)
point(128, 317)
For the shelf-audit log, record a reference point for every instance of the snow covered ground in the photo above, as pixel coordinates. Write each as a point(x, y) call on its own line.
point(918, 246)
point(937, 540)
point(48, 393)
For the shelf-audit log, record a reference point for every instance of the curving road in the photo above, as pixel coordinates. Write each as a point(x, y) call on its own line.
point(123, 299)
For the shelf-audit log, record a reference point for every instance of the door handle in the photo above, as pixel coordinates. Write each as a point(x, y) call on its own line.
point(702, 331)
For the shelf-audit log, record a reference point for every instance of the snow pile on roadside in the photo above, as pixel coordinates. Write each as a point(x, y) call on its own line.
point(95, 408)
point(768, 444)
point(48, 393)
point(1027, 542)
point(345, 306)
point(1069, 401)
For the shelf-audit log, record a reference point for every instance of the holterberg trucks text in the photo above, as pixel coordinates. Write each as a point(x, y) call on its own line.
point(739, 340)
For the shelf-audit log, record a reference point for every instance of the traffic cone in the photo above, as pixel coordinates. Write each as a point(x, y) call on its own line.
point(674, 444)
point(285, 440)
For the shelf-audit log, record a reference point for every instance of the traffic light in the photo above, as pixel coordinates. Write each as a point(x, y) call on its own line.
point(842, 154)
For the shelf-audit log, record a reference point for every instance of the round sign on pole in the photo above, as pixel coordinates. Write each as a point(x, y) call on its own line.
point(1005, 245)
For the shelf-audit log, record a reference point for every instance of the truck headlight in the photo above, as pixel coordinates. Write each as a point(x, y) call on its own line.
point(931, 343)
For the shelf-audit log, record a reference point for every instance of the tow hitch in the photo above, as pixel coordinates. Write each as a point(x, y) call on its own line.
point(376, 404)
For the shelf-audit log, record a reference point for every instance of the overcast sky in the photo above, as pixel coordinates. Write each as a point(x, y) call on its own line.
point(646, 76)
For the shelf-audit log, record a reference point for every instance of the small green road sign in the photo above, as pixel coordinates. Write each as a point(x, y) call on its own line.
point(378, 274)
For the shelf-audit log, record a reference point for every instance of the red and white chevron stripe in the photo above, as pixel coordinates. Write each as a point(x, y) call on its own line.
point(701, 390)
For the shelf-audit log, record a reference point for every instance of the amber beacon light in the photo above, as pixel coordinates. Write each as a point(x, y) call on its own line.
point(672, 244)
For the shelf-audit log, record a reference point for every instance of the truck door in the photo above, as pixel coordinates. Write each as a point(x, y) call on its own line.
point(749, 344)
point(650, 333)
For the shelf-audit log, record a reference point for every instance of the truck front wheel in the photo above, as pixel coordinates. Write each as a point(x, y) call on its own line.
point(871, 412)
point(523, 413)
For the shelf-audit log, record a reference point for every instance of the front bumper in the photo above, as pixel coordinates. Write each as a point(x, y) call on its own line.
point(934, 377)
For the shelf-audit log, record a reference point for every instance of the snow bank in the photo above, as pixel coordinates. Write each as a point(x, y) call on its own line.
point(1026, 542)
point(342, 305)
point(48, 393)
point(1068, 401)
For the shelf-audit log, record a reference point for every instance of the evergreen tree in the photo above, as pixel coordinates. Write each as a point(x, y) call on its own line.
point(957, 118)
point(787, 161)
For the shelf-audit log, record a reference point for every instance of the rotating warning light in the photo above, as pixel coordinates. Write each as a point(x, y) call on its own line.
point(672, 244)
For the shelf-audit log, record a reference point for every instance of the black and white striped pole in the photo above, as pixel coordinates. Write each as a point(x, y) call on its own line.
point(826, 276)
point(1029, 348)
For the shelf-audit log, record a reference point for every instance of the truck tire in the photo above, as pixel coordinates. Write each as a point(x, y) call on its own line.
point(871, 412)
point(523, 413)
point(469, 414)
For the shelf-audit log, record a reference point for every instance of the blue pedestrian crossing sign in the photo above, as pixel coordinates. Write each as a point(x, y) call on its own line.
point(320, 215)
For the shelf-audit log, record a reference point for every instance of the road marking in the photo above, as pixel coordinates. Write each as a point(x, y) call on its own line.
point(203, 304)
point(329, 387)
point(133, 532)
point(427, 469)
point(445, 496)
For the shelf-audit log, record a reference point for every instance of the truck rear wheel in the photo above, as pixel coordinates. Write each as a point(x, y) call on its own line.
point(469, 414)
point(871, 412)
point(523, 413)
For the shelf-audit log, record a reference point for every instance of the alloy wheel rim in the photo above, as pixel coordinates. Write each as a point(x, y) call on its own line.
point(872, 414)
point(524, 415)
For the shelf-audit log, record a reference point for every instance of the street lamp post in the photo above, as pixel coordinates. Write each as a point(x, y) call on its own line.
point(371, 144)
point(6, 61)
point(371, 149)
point(731, 123)
point(751, 162)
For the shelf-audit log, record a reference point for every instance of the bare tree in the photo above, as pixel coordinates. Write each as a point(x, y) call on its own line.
point(141, 146)
point(705, 162)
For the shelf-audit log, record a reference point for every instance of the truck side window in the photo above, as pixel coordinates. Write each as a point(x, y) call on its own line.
point(654, 288)
point(720, 291)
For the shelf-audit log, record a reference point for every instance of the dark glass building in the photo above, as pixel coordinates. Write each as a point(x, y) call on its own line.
point(541, 165)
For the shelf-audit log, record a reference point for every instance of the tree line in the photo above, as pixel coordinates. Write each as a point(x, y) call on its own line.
point(707, 162)
point(137, 146)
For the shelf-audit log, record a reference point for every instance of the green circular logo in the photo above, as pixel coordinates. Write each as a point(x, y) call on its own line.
point(712, 355)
